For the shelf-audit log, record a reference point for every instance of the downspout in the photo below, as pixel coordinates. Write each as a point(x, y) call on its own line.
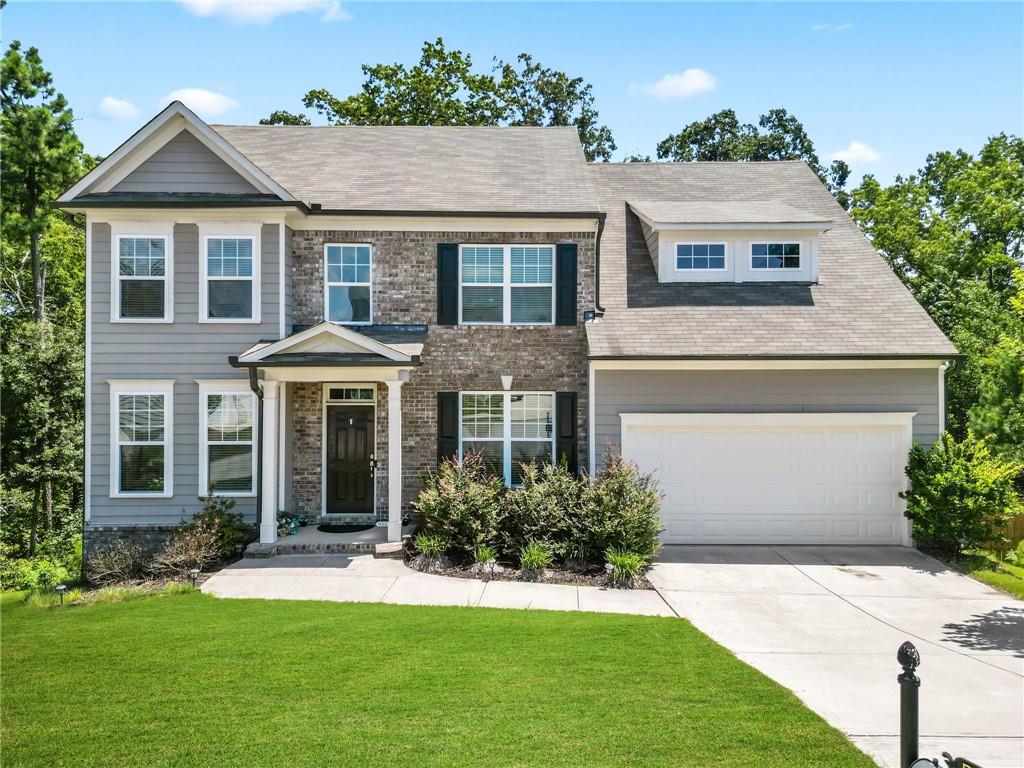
point(254, 385)
point(598, 309)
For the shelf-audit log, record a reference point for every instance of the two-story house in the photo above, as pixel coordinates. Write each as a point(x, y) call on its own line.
point(307, 318)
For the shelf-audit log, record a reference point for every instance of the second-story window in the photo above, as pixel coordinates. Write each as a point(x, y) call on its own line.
point(230, 278)
point(142, 279)
point(347, 292)
point(775, 255)
point(507, 284)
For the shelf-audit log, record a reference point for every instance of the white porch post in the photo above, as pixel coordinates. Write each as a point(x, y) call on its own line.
point(395, 460)
point(268, 488)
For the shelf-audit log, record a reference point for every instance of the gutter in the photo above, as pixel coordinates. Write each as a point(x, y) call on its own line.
point(598, 309)
point(954, 358)
point(254, 385)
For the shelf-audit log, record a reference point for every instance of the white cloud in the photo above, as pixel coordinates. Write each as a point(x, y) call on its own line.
point(199, 100)
point(682, 85)
point(265, 11)
point(832, 27)
point(857, 153)
point(117, 109)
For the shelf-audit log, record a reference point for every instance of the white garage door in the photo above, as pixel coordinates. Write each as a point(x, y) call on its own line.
point(775, 478)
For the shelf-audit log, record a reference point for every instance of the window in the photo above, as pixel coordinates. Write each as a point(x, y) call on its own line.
point(508, 284)
point(775, 255)
point(347, 271)
point(141, 426)
point(351, 393)
point(508, 429)
point(142, 278)
point(700, 256)
point(229, 278)
point(228, 455)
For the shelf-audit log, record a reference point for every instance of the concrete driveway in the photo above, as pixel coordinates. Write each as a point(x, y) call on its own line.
point(826, 622)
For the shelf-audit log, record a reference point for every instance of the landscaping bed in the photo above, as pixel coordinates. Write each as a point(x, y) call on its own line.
point(592, 577)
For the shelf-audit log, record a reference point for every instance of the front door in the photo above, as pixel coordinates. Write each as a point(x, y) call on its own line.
point(349, 459)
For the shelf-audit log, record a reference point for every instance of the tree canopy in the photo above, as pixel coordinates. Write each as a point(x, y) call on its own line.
point(778, 135)
point(443, 89)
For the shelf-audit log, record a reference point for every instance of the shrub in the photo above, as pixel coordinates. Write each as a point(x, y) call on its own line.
point(194, 546)
point(179, 588)
point(484, 554)
point(432, 545)
point(547, 507)
point(624, 568)
point(122, 561)
point(117, 594)
point(232, 530)
point(33, 573)
point(534, 558)
point(461, 502)
point(961, 495)
point(624, 505)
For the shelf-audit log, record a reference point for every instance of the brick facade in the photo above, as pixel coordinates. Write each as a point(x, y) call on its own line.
point(455, 358)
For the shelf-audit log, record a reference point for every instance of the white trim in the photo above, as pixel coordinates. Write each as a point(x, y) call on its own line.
point(394, 461)
point(767, 243)
point(506, 439)
point(282, 442)
point(341, 331)
point(726, 247)
point(798, 419)
point(781, 364)
point(324, 405)
point(120, 387)
point(154, 230)
point(507, 285)
point(267, 513)
point(163, 127)
point(341, 284)
point(591, 417)
point(87, 454)
point(317, 374)
point(282, 267)
point(942, 397)
point(299, 221)
point(224, 387)
point(236, 230)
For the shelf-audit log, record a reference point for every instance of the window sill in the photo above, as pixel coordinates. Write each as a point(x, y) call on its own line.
point(229, 321)
point(238, 495)
point(162, 495)
point(142, 320)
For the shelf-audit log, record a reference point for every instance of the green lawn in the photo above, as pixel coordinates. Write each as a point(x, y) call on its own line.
point(985, 567)
point(191, 681)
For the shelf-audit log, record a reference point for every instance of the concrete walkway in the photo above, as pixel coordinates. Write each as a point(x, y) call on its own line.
point(826, 622)
point(361, 578)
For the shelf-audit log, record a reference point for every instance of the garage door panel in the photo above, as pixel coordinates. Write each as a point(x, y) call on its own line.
point(775, 484)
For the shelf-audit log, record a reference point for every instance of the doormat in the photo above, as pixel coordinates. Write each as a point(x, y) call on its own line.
point(328, 528)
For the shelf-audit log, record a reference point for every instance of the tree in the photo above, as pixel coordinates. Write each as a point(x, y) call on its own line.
point(778, 135)
point(953, 233)
point(443, 89)
point(41, 155)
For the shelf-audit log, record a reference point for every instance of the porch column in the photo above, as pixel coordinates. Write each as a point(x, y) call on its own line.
point(395, 460)
point(268, 487)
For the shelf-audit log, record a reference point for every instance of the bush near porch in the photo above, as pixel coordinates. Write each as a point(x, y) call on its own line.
point(577, 520)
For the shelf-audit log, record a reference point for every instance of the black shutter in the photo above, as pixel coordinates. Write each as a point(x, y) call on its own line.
point(565, 284)
point(447, 425)
point(566, 444)
point(447, 284)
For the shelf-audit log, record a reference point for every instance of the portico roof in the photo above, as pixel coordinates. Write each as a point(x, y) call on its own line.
point(331, 345)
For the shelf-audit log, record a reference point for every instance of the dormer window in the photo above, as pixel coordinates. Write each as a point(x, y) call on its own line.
point(775, 255)
point(700, 256)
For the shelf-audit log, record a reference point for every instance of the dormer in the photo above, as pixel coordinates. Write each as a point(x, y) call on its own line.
point(731, 241)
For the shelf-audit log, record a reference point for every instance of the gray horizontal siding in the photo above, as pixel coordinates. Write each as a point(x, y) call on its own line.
point(184, 164)
point(618, 392)
point(288, 287)
point(184, 350)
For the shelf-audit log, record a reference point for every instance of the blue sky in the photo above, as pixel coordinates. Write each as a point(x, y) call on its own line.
point(884, 83)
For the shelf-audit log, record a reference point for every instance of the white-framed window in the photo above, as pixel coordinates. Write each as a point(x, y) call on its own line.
point(230, 257)
point(141, 438)
point(508, 429)
point(700, 256)
point(348, 290)
point(227, 438)
point(775, 256)
point(142, 272)
point(506, 284)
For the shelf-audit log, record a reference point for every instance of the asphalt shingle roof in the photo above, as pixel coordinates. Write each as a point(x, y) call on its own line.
point(423, 168)
point(858, 307)
point(722, 212)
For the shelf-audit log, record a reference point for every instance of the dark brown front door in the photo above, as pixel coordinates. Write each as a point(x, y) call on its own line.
point(349, 454)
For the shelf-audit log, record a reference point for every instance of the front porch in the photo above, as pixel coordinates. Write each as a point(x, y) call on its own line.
point(308, 540)
point(330, 412)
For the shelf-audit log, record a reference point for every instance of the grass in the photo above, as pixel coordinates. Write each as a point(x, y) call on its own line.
point(986, 567)
point(193, 681)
